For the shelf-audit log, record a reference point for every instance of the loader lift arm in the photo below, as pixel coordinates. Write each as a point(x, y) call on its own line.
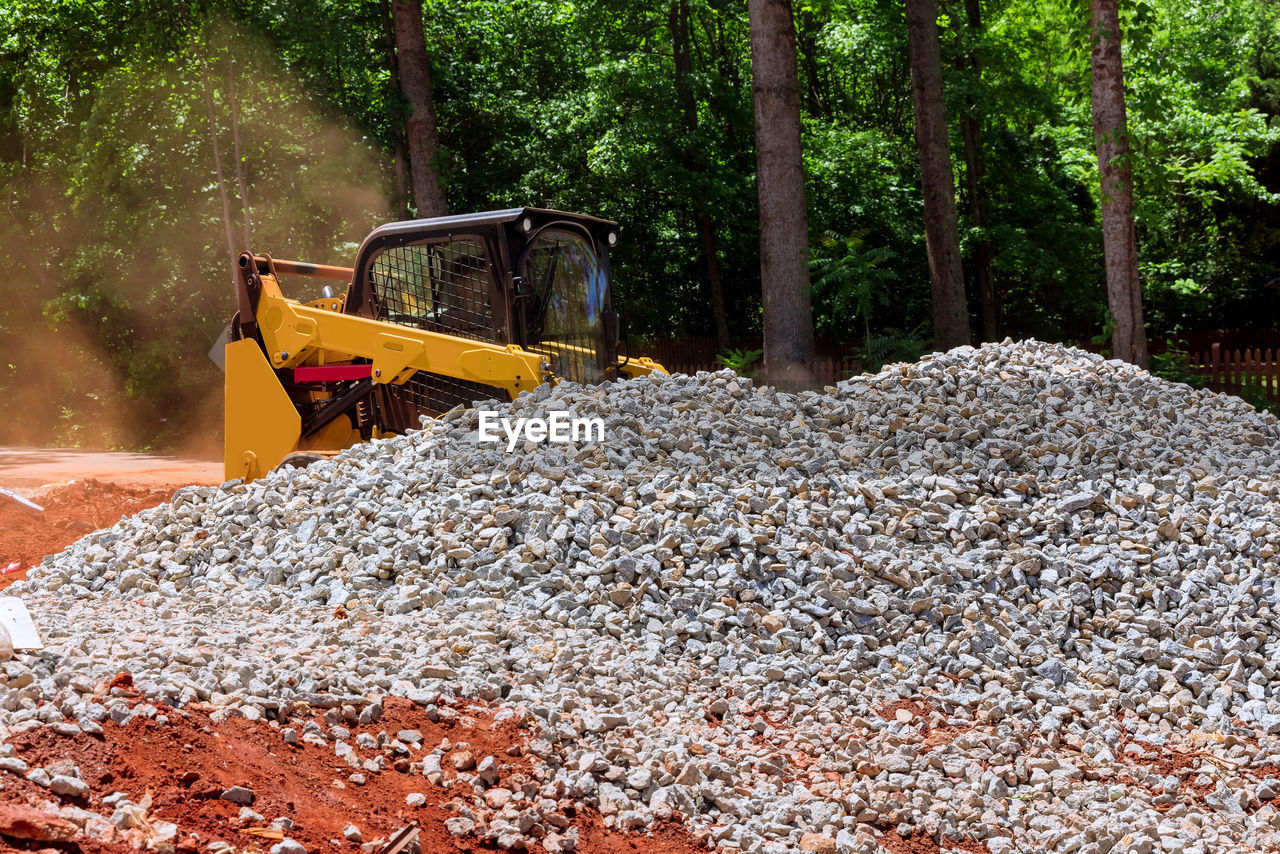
point(291, 333)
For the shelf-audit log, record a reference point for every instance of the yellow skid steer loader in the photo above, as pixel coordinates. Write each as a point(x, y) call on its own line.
point(437, 313)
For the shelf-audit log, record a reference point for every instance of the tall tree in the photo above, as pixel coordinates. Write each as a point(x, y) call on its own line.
point(1111, 135)
point(400, 193)
point(247, 222)
point(974, 170)
point(682, 55)
point(784, 227)
point(217, 167)
point(937, 184)
point(420, 128)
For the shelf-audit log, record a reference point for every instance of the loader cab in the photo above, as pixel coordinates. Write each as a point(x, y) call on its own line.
point(530, 277)
point(438, 313)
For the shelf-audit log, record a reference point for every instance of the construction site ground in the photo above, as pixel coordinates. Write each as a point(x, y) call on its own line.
point(183, 759)
point(80, 491)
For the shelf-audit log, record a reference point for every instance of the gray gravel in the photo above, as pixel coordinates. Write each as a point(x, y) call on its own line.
point(1015, 594)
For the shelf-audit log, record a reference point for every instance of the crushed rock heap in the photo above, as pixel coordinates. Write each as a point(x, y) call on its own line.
point(1009, 598)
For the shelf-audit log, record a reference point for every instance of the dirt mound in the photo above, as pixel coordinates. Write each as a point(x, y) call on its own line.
point(70, 511)
point(187, 761)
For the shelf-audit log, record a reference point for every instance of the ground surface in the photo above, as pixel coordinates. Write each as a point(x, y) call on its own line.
point(183, 760)
point(71, 510)
point(28, 469)
point(80, 491)
point(1014, 598)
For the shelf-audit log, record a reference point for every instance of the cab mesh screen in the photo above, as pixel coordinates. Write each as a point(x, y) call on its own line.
point(441, 286)
point(434, 394)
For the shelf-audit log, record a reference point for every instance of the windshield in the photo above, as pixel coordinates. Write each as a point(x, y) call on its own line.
point(571, 288)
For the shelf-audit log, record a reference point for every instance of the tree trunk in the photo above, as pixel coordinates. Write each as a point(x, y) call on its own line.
point(1119, 239)
point(415, 84)
point(975, 170)
point(400, 204)
point(784, 228)
point(707, 230)
point(678, 23)
point(941, 234)
point(809, 51)
point(235, 137)
point(726, 65)
point(400, 194)
point(217, 167)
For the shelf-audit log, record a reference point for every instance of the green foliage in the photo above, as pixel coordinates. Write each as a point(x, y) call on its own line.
point(1202, 126)
point(112, 215)
point(743, 362)
point(849, 279)
point(1174, 364)
point(894, 345)
point(1255, 394)
point(118, 237)
point(1103, 339)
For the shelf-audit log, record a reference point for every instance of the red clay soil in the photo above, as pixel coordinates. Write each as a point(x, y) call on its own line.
point(187, 763)
point(1171, 762)
point(934, 736)
point(919, 843)
point(915, 708)
point(70, 512)
point(1167, 762)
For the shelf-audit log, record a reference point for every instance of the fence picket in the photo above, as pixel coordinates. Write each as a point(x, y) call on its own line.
point(1271, 375)
point(1258, 367)
point(1239, 371)
point(1264, 372)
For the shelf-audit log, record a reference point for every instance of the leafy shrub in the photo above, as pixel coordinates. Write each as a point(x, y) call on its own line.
point(894, 345)
point(1174, 365)
point(740, 361)
point(1255, 394)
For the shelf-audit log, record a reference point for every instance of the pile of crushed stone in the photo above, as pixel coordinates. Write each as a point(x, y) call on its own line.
point(1009, 597)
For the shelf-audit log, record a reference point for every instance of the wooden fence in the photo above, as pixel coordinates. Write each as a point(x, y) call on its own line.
point(1202, 340)
point(695, 353)
point(1235, 370)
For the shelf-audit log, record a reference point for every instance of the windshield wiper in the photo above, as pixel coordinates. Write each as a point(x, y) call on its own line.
point(545, 301)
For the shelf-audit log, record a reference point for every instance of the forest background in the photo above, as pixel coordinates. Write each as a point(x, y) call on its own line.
point(144, 143)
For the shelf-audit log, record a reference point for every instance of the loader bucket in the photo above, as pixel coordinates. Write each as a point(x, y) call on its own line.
point(262, 424)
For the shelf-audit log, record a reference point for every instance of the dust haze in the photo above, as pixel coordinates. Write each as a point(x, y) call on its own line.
point(114, 242)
